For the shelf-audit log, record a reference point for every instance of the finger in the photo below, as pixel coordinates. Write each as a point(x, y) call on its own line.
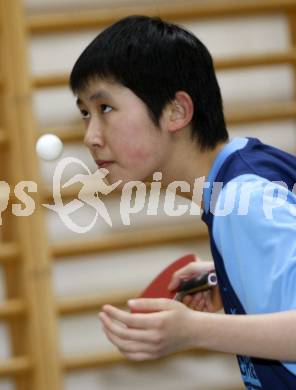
point(132, 320)
point(186, 272)
point(187, 300)
point(139, 321)
point(198, 306)
point(207, 297)
point(128, 346)
point(152, 305)
point(197, 302)
point(122, 332)
point(140, 356)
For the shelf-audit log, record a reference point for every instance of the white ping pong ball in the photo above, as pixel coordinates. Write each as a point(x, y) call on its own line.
point(49, 147)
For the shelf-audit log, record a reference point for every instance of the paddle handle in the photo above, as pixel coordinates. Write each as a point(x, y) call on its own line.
point(197, 284)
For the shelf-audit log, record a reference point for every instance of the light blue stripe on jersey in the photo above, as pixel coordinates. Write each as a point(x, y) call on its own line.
point(259, 248)
point(234, 145)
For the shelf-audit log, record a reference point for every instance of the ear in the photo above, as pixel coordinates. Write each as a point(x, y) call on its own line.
point(179, 112)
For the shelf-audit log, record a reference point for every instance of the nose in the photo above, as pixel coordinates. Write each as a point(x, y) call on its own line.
point(94, 136)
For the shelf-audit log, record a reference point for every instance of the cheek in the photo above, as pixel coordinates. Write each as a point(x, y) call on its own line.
point(137, 153)
point(136, 146)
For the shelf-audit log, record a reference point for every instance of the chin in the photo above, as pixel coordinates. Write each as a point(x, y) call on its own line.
point(127, 178)
point(110, 180)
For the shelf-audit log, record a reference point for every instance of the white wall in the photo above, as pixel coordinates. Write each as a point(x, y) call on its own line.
point(93, 274)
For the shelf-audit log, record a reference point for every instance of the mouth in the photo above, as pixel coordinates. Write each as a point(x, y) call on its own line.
point(103, 163)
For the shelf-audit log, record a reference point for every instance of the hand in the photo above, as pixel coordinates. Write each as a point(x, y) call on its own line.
point(162, 327)
point(208, 301)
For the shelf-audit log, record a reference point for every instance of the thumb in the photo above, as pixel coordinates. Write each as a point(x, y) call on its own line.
point(148, 305)
point(183, 273)
point(174, 283)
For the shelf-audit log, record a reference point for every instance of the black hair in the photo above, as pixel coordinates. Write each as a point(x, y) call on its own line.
point(155, 59)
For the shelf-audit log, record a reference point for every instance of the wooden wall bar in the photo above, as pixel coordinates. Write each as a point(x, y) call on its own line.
point(185, 10)
point(40, 363)
point(130, 240)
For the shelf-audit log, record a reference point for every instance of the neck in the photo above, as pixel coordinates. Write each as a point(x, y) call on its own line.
point(187, 164)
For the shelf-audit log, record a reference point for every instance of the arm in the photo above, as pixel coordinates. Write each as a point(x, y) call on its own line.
point(168, 326)
point(270, 336)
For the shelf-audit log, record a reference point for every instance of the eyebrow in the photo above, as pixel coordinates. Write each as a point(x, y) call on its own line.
point(101, 94)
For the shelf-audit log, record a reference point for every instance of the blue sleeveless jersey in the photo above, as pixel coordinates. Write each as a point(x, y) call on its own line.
point(239, 159)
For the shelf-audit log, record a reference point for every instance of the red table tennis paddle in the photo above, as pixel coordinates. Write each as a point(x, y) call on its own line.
point(158, 288)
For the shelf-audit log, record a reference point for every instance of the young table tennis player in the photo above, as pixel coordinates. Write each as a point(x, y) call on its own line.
point(149, 97)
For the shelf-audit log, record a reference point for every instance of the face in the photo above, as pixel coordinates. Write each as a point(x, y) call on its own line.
point(120, 132)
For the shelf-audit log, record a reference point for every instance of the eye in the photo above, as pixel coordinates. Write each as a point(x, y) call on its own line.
point(84, 114)
point(105, 108)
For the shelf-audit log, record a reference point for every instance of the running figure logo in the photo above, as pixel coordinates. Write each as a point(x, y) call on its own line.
point(92, 184)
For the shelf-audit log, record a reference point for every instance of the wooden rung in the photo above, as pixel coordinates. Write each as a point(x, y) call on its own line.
point(287, 57)
point(67, 134)
point(267, 59)
point(66, 193)
point(262, 113)
point(73, 191)
point(12, 308)
point(15, 366)
point(109, 358)
point(134, 239)
point(95, 360)
point(87, 304)
point(8, 252)
point(49, 81)
point(90, 361)
point(187, 10)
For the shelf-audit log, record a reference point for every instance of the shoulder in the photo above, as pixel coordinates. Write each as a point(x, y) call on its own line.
point(250, 197)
